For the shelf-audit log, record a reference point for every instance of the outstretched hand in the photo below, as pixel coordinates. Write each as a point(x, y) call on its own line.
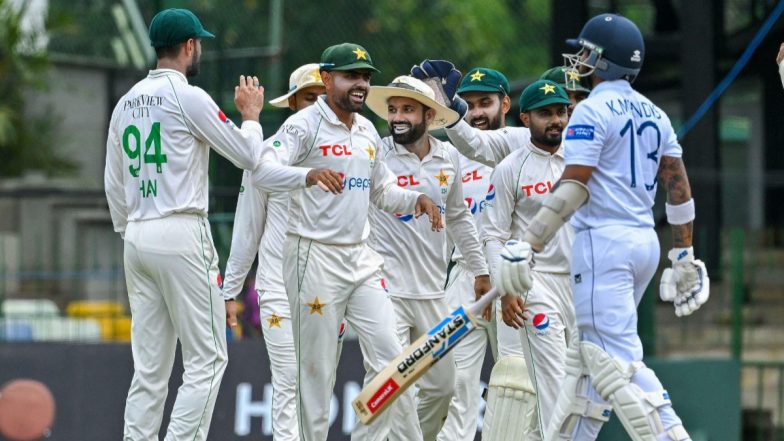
point(424, 205)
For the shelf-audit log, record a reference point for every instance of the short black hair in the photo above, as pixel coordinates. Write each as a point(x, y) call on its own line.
point(169, 51)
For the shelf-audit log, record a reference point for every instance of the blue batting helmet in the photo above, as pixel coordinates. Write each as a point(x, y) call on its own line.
point(615, 48)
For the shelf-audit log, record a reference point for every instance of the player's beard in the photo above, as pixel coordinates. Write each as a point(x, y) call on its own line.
point(493, 123)
point(344, 101)
point(193, 69)
point(548, 140)
point(412, 135)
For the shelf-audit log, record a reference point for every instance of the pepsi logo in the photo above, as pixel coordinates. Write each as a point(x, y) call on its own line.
point(471, 204)
point(404, 217)
point(342, 330)
point(541, 321)
point(220, 281)
point(384, 284)
point(490, 193)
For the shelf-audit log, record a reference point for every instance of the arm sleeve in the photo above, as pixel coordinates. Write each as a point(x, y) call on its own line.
point(670, 145)
point(460, 224)
point(585, 137)
point(241, 146)
point(113, 181)
point(249, 221)
point(488, 147)
point(384, 191)
point(287, 146)
point(497, 220)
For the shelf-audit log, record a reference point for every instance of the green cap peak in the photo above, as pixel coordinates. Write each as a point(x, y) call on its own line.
point(173, 26)
point(346, 56)
point(567, 78)
point(482, 79)
point(542, 93)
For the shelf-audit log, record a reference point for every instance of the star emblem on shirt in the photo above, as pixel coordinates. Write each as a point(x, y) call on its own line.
point(274, 321)
point(371, 152)
point(477, 76)
point(547, 88)
point(316, 307)
point(443, 178)
point(360, 54)
point(572, 75)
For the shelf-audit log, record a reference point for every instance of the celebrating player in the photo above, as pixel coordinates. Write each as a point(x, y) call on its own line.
point(486, 91)
point(617, 145)
point(521, 182)
point(415, 258)
point(157, 153)
point(260, 226)
point(330, 272)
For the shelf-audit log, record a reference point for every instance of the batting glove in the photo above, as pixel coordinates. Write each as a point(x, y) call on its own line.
point(686, 284)
point(449, 78)
point(514, 271)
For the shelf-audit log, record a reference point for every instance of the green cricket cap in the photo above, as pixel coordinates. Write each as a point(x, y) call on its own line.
point(346, 56)
point(567, 78)
point(542, 93)
point(482, 79)
point(173, 26)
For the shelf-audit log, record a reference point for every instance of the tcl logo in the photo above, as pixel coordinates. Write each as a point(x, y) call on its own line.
point(336, 150)
point(406, 181)
point(472, 176)
point(538, 188)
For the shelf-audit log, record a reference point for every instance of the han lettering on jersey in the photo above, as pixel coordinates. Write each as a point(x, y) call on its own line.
point(579, 131)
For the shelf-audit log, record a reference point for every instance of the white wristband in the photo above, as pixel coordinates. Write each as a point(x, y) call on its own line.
point(680, 214)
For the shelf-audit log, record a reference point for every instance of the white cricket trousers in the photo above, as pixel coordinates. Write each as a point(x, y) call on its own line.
point(279, 340)
point(611, 267)
point(463, 416)
point(415, 317)
point(171, 270)
point(326, 283)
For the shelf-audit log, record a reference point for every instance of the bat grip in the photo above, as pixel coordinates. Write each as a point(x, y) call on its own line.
point(478, 306)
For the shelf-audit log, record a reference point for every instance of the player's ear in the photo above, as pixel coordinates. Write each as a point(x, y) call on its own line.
point(293, 102)
point(430, 115)
point(524, 118)
point(506, 104)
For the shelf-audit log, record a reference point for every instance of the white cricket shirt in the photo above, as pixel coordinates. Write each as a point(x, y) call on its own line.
point(519, 185)
point(315, 138)
point(623, 135)
point(489, 147)
point(157, 150)
point(415, 257)
point(476, 180)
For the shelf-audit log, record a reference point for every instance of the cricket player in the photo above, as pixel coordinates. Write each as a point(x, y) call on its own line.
point(157, 156)
point(521, 182)
point(572, 83)
point(329, 270)
point(486, 91)
point(618, 145)
point(415, 257)
point(260, 227)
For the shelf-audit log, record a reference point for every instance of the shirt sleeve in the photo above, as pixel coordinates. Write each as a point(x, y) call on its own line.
point(585, 137)
point(249, 221)
point(670, 145)
point(287, 146)
point(384, 191)
point(488, 147)
point(497, 217)
point(113, 180)
point(241, 146)
point(460, 225)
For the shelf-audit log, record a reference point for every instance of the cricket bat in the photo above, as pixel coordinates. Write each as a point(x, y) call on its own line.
point(417, 358)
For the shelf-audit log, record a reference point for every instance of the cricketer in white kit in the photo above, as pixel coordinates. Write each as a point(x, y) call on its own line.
point(330, 272)
point(617, 145)
point(156, 183)
point(260, 225)
point(520, 184)
point(486, 92)
point(415, 257)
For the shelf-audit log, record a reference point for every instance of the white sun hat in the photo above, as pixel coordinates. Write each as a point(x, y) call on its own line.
point(410, 87)
point(305, 76)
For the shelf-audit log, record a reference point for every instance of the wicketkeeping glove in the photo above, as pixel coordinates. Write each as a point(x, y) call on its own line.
point(686, 284)
point(514, 272)
point(449, 78)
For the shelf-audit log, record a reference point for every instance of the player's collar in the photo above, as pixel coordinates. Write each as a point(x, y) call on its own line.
point(157, 73)
point(610, 85)
point(437, 149)
point(538, 151)
point(332, 117)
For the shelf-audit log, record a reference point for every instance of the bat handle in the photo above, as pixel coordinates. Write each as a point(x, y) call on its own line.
point(478, 306)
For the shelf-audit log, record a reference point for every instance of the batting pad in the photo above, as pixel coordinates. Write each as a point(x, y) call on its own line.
point(510, 414)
